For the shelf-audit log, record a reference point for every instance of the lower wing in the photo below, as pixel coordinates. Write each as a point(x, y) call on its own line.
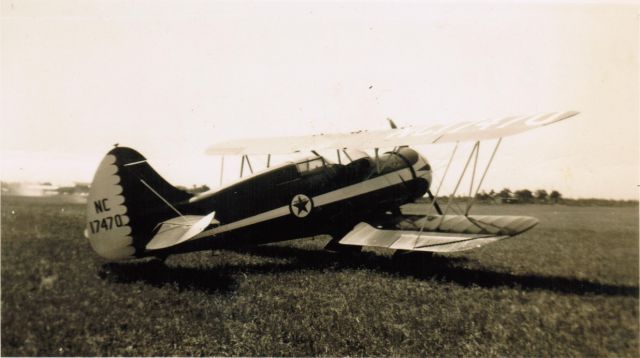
point(448, 233)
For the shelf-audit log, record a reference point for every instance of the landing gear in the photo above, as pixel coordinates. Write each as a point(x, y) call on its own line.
point(400, 255)
point(335, 246)
point(161, 258)
point(433, 200)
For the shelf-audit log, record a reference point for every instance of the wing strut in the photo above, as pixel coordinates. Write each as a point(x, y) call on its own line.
point(347, 155)
point(475, 152)
point(221, 169)
point(486, 169)
point(242, 165)
point(380, 165)
point(433, 197)
point(245, 158)
point(446, 170)
point(377, 161)
point(249, 164)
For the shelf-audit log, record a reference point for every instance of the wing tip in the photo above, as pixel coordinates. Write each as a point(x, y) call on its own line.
point(569, 114)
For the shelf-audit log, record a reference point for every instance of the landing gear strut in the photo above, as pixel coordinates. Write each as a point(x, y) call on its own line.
point(335, 246)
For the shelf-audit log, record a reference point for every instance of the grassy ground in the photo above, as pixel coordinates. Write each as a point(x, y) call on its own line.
point(568, 287)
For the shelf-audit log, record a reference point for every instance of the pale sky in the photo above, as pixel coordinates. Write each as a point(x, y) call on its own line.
point(169, 78)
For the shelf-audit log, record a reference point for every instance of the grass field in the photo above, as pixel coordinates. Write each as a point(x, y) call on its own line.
point(568, 287)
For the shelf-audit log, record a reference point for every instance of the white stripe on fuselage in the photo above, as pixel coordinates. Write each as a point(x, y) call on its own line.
point(331, 197)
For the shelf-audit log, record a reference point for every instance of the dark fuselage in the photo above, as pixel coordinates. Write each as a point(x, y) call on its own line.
point(307, 198)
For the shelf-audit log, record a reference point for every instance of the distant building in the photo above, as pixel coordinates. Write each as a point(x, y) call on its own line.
point(29, 189)
point(43, 189)
point(81, 189)
point(503, 200)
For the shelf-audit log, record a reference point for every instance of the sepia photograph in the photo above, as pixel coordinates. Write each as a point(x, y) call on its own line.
point(319, 178)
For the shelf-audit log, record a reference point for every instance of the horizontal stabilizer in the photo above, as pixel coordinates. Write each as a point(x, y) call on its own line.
point(179, 229)
point(366, 235)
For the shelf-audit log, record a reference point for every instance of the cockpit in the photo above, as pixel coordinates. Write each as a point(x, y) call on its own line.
point(346, 156)
point(309, 164)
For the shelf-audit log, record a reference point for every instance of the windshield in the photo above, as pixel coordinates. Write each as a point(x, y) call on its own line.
point(309, 164)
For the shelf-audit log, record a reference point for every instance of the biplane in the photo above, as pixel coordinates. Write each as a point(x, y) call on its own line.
point(359, 199)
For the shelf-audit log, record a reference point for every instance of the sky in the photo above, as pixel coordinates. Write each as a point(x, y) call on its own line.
point(170, 78)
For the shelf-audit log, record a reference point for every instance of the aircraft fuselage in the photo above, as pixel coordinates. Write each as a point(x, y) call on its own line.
point(307, 198)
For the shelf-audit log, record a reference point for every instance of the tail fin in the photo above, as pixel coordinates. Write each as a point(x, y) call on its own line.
point(126, 201)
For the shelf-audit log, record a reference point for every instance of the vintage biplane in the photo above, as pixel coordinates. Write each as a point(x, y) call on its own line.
point(359, 200)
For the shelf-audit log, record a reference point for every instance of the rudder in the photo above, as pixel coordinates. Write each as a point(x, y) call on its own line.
point(127, 200)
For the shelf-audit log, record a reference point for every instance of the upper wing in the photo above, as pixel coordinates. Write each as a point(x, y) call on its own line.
point(464, 131)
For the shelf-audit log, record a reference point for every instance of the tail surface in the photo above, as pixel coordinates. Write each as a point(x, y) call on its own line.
point(126, 202)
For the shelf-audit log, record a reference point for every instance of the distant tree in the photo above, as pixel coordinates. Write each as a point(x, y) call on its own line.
point(505, 193)
point(504, 196)
point(524, 196)
point(81, 188)
point(483, 196)
point(555, 196)
point(68, 190)
point(541, 195)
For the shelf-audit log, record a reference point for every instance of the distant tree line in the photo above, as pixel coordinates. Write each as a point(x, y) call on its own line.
point(542, 196)
point(504, 196)
point(523, 196)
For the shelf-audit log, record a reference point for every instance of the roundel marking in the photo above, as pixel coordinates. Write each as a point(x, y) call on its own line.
point(301, 205)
